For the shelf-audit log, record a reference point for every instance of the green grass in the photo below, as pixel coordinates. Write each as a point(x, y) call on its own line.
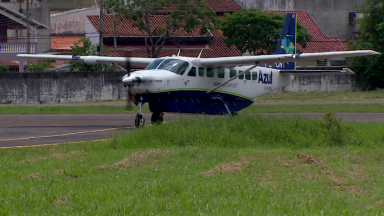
point(318, 108)
point(242, 165)
point(119, 106)
point(376, 95)
point(76, 109)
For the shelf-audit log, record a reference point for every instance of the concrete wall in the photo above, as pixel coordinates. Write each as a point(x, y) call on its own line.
point(38, 88)
point(51, 87)
point(319, 83)
point(332, 16)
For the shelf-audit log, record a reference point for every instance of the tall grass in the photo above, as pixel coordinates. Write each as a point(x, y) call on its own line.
point(252, 161)
point(246, 131)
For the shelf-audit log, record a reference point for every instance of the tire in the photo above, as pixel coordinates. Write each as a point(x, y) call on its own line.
point(139, 121)
point(157, 118)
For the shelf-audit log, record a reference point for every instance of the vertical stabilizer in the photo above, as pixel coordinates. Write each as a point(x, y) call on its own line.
point(287, 42)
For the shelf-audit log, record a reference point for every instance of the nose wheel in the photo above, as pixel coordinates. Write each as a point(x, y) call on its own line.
point(157, 118)
point(139, 120)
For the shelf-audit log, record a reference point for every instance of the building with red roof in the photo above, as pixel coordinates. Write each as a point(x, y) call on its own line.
point(130, 41)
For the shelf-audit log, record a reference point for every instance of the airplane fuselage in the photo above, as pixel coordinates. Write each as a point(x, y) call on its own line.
point(186, 91)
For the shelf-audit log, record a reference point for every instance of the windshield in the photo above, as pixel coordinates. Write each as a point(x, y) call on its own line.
point(154, 64)
point(174, 65)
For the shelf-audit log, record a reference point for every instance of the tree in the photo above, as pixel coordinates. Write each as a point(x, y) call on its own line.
point(257, 32)
point(4, 69)
point(187, 15)
point(40, 66)
point(369, 70)
point(84, 47)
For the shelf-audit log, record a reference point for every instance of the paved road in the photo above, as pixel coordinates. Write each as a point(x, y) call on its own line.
point(26, 130)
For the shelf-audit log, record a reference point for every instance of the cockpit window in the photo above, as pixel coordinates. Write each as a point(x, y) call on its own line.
point(154, 64)
point(175, 65)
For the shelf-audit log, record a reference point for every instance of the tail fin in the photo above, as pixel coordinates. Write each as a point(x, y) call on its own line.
point(287, 42)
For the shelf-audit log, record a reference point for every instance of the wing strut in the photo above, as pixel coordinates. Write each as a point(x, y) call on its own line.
point(216, 87)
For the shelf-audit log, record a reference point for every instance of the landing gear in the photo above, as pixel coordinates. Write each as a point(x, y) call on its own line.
point(139, 120)
point(157, 118)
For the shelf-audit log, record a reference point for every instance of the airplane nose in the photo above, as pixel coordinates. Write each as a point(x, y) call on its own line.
point(131, 81)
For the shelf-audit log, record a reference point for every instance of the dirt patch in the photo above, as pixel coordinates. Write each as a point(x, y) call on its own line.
point(53, 155)
point(58, 172)
point(310, 159)
point(289, 163)
point(136, 159)
point(61, 202)
point(234, 167)
point(33, 176)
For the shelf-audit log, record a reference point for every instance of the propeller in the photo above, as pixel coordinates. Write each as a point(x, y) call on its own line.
point(130, 96)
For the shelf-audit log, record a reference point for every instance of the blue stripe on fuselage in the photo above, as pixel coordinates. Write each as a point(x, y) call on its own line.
point(194, 101)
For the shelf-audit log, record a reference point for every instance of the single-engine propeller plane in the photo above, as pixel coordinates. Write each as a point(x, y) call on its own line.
point(211, 85)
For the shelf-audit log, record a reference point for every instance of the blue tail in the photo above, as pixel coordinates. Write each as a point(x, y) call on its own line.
point(287, 42)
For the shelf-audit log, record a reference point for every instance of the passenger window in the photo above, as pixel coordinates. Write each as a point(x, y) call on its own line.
point(220, 72)
point(232, 73)
point(210, 72)
point(192, 72)
point(201, 71)
point(241, 76)
point(254, 75)
point(248, 75)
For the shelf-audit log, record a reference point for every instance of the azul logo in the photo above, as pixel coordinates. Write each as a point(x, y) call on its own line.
point(265, 78)
point(287, 45)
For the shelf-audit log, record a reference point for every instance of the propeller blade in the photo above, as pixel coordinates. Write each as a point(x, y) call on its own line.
point(129, 105)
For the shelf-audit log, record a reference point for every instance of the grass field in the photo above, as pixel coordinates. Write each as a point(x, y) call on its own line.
point(376, 95)
point(319, 108)
point(119, 106)
point(241, 165)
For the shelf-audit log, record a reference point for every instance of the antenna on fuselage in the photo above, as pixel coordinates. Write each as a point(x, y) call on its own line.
point(178, 54)
point(200, 53)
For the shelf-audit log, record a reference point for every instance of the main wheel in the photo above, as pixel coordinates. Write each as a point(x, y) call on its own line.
point(157, 117)
point(139, 120)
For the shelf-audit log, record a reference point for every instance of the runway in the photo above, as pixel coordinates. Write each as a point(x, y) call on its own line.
point(29, 130)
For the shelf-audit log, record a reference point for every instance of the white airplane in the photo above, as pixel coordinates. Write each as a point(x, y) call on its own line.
point(210, 85)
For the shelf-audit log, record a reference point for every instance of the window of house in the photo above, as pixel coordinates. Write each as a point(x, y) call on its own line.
point(192, 72)
point(241, 76)
point(210, 72)
point(220, 72)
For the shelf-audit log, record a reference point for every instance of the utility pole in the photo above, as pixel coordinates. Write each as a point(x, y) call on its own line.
point(101, 31)
point(28, 31)
point(114, 38)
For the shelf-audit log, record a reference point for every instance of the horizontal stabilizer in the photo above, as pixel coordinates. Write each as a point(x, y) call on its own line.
point(316, 72)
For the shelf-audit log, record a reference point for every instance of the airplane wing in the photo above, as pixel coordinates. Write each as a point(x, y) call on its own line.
point(280, 58)
point(139, 62)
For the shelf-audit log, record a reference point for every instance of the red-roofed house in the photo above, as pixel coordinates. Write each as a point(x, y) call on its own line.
point(63, 43)
point(130, 41)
